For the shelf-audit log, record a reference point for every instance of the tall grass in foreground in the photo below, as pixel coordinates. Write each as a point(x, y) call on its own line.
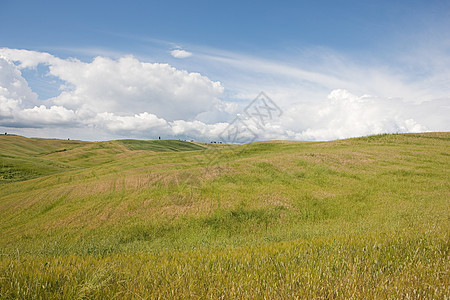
point(382, 266)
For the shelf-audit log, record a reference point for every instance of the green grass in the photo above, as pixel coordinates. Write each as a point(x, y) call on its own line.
point(357, 218)
point(22, 158)
point(13, 168)
point(161, 145)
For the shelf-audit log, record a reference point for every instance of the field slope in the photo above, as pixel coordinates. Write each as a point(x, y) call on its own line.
point(358, 218)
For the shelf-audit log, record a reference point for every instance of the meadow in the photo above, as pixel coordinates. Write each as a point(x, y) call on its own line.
point(364, 218)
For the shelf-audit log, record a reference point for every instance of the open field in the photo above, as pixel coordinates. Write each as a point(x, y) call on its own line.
point(358, 218)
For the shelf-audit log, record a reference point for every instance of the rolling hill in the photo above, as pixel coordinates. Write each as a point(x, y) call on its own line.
point(357, 218)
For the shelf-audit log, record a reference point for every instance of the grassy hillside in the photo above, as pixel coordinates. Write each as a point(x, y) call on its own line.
point(357, 218)
point(22, 158)
point(161, 145)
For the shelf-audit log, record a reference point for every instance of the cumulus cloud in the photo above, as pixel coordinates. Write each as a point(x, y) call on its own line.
point(124, 96)
point(127, 97)
point(123, 86)
point(345, 115)
point(28, 59)
point(13, 85)
point(128, 85)
point(17, 102)
point(40, 116)
point(140, 124)
point(341, 115)
point(145, 124)
point(179, 53)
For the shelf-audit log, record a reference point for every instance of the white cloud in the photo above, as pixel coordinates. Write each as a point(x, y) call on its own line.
point(127, 86)
point(341, 115)
point(145, 125)
point(127, 97)
point(345, 115)
point(139, 124)
point(179, 53)
point(124, 96)
point(18, 102)
point(42, 116)
point(12, 84)
point(27, 58)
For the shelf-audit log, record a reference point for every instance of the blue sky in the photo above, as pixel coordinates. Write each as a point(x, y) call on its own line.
point(323, 62)
point(355, 26)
